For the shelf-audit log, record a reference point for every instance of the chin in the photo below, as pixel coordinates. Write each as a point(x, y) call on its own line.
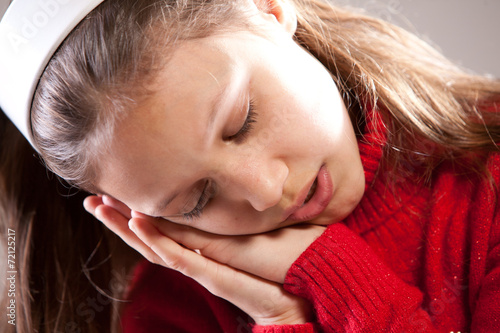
point(340, 211)
point(330, 219)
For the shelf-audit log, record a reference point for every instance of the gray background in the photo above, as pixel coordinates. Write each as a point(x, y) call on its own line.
point(3, 6)
point(467, 31)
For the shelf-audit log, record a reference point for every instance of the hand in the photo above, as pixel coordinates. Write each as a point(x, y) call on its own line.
point(267, 255)
point(242, 269)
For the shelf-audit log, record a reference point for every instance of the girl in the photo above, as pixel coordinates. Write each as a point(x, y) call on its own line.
point(319, 169)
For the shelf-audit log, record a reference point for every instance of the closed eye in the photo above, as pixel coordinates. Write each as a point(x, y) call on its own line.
point(209, 189)
point(247, 126)
point(206, 195)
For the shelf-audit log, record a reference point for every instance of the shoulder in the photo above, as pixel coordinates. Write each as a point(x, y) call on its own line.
point(469, 198)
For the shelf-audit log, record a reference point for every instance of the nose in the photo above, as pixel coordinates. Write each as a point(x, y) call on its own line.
point(259, 180)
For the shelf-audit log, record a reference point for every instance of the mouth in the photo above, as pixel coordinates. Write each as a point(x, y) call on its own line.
point(311, 191)
point(313, 202)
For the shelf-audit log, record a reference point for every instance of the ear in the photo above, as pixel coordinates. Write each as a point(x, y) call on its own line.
point(283, 12)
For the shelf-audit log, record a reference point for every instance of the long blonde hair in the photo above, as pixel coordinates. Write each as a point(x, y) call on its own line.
point(98, 72)
point(433, 109)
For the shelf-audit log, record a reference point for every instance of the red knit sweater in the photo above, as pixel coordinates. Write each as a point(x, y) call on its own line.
point(410, 258)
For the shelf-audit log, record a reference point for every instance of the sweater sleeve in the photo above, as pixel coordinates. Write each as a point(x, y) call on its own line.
point(352, 290)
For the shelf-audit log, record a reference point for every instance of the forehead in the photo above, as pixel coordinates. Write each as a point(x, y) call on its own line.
point(156, 141)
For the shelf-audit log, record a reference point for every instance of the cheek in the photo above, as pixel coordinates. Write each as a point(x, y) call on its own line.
point(321, 122)
point(228, 217)
point(315, 103)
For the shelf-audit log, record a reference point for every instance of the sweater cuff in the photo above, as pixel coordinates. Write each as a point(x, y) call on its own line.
point(349, 286)
point(302, 328)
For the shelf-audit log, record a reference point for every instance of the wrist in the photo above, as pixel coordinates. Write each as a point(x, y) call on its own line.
point(301, 314)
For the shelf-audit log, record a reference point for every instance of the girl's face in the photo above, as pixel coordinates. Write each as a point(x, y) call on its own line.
point(244, 133)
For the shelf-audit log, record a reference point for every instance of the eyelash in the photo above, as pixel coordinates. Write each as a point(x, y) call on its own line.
point(205, 196)
point(239, 137)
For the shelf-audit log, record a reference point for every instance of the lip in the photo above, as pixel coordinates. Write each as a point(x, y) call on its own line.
point(318, 202)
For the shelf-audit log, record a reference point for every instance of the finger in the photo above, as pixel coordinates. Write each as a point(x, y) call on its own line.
point(202, 269)
point(268, 255)
point(221, 248)
point(170, 251)
point(91, 202)
point(190, 237)
point(118, 223)
point(118, 205)
point(252, 294)
point(241, 252)
point(137, 214)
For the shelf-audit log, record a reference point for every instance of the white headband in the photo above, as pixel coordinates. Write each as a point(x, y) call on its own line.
point(30, 33)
